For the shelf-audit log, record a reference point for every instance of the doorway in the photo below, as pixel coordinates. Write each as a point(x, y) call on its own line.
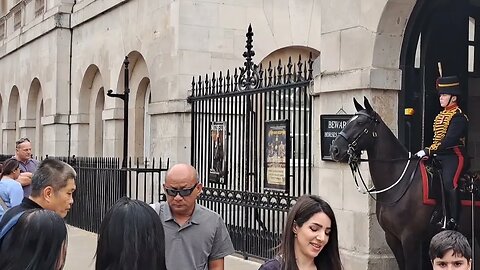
point(445, 32)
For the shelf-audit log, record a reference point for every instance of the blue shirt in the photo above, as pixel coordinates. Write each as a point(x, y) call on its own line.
point(11, 192)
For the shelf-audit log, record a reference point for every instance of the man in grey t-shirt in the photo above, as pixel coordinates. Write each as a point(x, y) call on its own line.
point(195, 237)
point(27, 165)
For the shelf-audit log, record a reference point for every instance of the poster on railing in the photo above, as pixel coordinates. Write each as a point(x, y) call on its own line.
point(218, 143)
point(277, 152)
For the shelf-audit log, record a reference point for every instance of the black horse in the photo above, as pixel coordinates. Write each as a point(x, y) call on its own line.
point(399, 204)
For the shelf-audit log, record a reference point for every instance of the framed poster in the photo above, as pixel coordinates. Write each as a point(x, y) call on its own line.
point(217, 153)
point(330, 127)
point(277, 155)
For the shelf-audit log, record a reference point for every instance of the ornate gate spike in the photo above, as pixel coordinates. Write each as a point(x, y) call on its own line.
point(270, 69)
point(289, 73)
point(249, 77)
point(300, 69)
point(214, 85)
point(194, 93)
point(279, 72)
point(220, 82)
point(310, 67)
point(228, 82)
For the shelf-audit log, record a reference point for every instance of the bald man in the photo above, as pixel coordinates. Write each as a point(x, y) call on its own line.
point(195, 237)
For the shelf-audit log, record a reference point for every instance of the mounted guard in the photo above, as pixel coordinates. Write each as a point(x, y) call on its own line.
point(448, 147)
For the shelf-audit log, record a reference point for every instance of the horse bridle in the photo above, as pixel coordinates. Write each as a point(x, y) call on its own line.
point(354, 160)
point(352, 152)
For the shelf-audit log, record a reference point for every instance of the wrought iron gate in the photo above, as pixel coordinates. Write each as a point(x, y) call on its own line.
point(251, 145)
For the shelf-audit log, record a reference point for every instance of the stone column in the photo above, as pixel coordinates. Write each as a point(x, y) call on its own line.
point(170, 130)
point(8, 137)
point(79, 131)
point(55, 135)
point(113, 138)
point(27, 129)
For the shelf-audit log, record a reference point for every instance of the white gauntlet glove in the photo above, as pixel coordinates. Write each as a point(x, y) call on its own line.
point(420, 154)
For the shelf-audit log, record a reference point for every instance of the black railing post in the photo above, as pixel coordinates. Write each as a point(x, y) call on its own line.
point(125, 98)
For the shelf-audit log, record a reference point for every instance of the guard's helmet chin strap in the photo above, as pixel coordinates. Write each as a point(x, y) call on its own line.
point(450, 100)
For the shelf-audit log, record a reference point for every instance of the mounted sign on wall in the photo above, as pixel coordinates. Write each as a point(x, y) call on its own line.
point(330, 126)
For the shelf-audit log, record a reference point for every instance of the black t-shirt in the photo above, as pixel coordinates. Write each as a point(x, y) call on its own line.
point(25, 205)
point(272, 264)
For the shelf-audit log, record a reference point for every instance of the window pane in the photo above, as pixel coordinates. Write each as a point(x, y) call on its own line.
point(417, 52)
point(471, 29)
point(471, 54)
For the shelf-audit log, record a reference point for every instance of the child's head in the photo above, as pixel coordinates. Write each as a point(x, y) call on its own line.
point(450, 248)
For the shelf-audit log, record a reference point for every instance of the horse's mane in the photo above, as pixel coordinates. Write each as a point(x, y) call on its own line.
point(386, 134)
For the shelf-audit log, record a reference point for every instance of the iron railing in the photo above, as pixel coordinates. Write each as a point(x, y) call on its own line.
point(101, 182)
point(233, 116)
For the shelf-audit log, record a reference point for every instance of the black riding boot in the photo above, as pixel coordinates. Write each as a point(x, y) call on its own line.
point(454, 207)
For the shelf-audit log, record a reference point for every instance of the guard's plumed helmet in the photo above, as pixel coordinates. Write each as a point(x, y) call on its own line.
point(449, 85)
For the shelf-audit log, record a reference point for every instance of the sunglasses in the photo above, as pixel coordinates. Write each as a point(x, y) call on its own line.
point(182, 192)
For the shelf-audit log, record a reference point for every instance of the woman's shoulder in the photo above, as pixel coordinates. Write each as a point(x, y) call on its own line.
point(10, 182)
point(272, 264)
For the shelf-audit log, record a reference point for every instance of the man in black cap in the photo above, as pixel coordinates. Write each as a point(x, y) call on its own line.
point(450, 130)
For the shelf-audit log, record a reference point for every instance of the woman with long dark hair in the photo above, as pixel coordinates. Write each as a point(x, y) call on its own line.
point(37, 239)
point(309, 239)
point(131, 237)
point(11, 192)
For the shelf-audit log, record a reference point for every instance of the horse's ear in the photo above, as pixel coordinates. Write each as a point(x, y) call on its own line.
point(357, 105)
point(367, 105)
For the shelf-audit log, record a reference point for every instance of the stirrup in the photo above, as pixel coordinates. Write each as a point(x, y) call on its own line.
point(452, 224)
point(442, 224)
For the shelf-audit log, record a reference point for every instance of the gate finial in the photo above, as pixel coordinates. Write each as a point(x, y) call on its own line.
point(249, 77)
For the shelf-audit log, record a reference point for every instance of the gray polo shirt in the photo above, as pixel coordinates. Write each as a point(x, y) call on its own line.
point(201, 239)
point(29, 166)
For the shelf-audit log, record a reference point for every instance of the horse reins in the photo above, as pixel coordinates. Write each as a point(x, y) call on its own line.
point(354, 162)
point(355, 168)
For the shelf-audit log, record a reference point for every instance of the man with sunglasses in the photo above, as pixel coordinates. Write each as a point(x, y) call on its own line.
point(195, 237)
point(28, 165)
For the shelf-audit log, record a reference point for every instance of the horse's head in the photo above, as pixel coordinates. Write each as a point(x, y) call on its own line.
point(357, 135)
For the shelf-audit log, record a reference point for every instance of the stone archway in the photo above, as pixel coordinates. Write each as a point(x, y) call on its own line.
point(31, 126)
point(139, 86)
point(11, 131)
point(87, 124)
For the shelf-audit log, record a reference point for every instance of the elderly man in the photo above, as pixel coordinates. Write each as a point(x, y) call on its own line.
point(52, 188)
point(195, 237)
point(28, 165)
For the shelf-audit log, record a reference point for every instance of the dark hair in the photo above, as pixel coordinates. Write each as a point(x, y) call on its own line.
point(37, 241)
point(20, 141)
point(305, 207)
point(8, 167)
point(131, 237)
point(51, 172)
point(447, 240)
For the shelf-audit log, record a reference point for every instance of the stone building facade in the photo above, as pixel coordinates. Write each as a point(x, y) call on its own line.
point(58, 59)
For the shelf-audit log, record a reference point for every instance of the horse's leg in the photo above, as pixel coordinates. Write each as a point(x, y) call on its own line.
point(412, 251)
point(396, 247)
